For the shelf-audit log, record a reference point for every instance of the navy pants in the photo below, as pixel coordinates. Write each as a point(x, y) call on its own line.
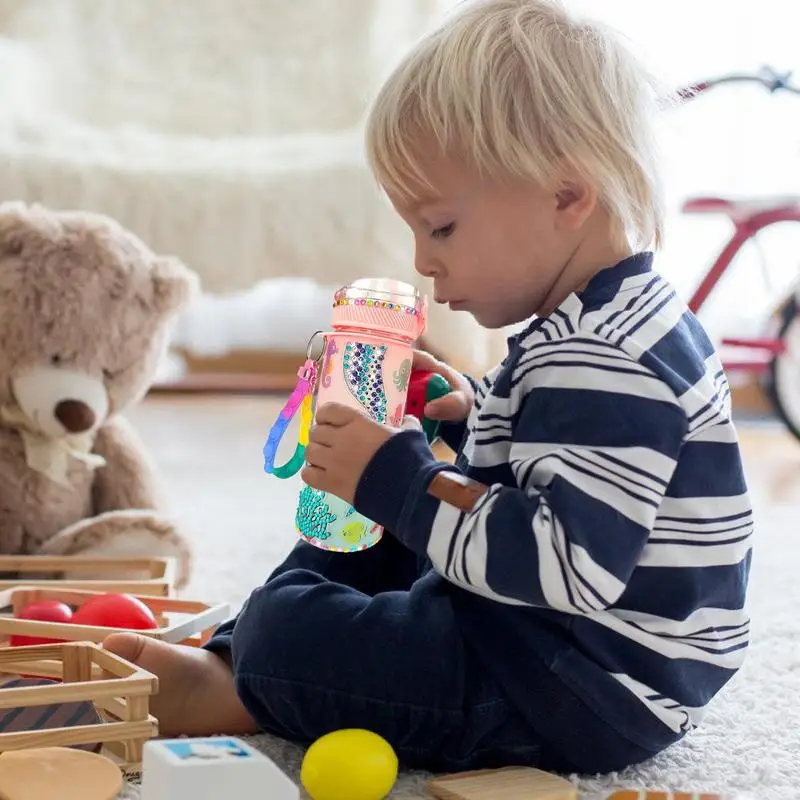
point(369, 640)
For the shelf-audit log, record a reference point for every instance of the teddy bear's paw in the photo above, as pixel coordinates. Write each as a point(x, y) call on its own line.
point(124, 534)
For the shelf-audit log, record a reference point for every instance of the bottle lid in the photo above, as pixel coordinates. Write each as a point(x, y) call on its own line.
point(383, 305)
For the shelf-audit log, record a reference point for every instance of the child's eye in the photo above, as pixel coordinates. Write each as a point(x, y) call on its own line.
point(444, 231)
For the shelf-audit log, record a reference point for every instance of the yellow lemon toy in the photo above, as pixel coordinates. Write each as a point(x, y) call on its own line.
point(350, 764)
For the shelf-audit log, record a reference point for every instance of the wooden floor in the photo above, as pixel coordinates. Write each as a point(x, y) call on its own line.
point(772, 463)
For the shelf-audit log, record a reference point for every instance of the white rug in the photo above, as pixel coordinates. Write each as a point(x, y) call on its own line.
point(750, 742)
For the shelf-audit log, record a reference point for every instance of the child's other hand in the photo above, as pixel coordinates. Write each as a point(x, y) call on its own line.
point(340, 445)
point(453, 407)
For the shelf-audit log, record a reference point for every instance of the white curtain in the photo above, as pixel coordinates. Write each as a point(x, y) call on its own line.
point(226, 132)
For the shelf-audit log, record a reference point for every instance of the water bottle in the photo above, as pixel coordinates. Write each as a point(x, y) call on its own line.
point(365, 363)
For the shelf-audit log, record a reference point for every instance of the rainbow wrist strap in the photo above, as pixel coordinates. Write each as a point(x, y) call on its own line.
point(301, 398)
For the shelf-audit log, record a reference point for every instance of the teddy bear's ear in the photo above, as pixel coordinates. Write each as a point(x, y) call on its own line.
point(14, 226)
point(174, 284)
point(22, 222)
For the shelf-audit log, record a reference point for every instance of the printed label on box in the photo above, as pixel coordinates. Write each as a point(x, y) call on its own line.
point(214, 749)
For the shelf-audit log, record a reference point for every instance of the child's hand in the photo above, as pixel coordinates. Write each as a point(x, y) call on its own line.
point(455, 406)
point(340, 445)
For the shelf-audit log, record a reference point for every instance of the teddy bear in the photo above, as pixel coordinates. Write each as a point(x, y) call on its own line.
point(86, 309)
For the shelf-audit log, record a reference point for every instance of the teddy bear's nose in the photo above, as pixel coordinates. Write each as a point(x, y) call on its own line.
point(74, 415)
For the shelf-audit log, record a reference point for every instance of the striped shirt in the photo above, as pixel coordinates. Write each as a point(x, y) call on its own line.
point(617, 512)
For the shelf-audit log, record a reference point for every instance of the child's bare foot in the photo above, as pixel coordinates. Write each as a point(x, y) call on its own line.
point(196, 694)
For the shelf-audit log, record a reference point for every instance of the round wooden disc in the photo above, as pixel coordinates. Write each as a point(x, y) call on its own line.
point(61, 772)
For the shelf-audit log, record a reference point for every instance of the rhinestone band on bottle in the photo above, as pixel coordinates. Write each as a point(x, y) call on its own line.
point(364, 301)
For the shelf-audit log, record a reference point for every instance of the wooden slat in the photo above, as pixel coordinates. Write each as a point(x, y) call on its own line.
point(82, 734)
point(157, 588)
point(72, 563)
point(114, 706)
point(70, 692)
point(113, 573)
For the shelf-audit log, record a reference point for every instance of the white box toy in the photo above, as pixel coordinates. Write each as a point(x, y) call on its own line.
point(210, 769)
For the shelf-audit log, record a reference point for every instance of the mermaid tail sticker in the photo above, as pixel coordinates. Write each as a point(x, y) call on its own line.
point(363, 374)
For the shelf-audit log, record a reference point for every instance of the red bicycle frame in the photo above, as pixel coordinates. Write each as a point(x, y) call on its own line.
point(749, 217)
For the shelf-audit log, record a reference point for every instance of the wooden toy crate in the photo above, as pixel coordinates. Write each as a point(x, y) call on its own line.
point(179, 621)
point(154, 576)
point(120, 692)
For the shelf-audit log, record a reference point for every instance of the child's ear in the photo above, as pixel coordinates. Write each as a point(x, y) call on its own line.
point(576, 199)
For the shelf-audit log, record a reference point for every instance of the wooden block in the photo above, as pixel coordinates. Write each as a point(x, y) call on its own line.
point(647, 794)
point(508, 783)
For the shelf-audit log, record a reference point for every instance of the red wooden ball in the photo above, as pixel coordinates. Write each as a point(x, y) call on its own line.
point(115, 611)
point(44, 611)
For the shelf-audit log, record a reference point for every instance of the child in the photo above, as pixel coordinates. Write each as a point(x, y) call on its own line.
point(580, 612)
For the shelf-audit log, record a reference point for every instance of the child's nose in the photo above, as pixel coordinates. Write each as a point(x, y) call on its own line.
point(426, 265)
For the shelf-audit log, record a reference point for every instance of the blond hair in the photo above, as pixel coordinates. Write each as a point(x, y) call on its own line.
point(524, 87)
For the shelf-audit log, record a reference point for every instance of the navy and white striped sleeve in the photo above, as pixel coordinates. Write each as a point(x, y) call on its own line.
point(594, 445)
